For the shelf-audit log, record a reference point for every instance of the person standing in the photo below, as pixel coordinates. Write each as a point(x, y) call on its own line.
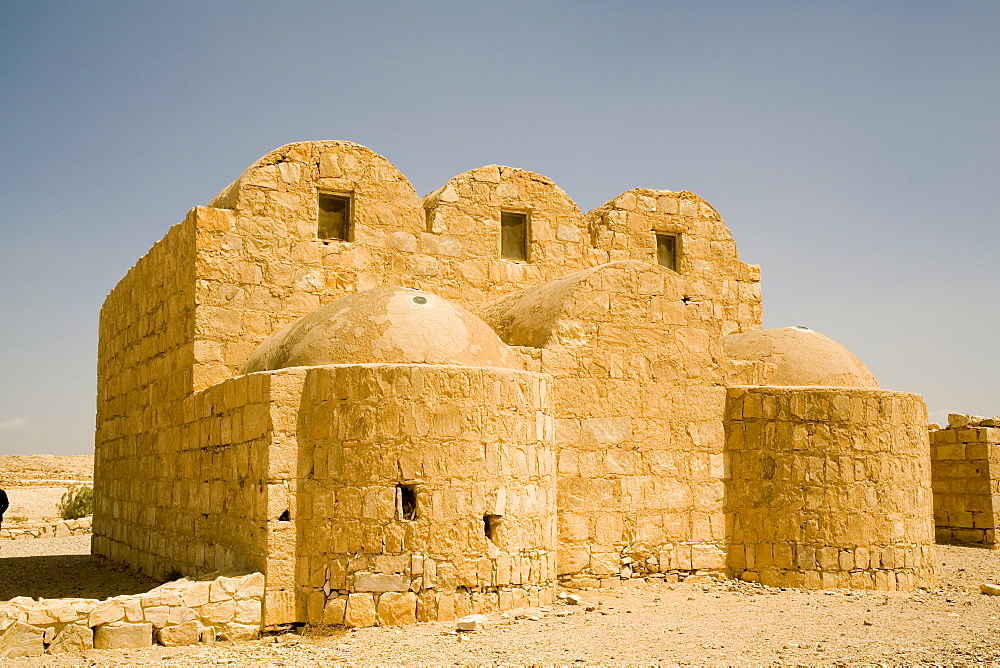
point(3, 505)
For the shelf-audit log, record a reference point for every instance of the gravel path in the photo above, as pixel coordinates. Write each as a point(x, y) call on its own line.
point(724, 623)
point(62, 568)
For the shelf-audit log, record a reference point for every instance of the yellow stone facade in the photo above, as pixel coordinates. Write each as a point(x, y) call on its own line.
point(506, 423)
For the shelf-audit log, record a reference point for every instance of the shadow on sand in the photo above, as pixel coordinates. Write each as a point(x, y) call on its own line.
point(68, 576)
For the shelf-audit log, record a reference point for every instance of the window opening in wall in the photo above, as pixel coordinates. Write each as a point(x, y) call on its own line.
point(285, 516)
point(429, 218)
point(406, 501)
point(666, 250)
point(491, 526)
point(334, 216)
point(514, 235)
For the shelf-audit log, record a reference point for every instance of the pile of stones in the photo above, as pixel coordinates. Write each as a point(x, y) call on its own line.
point(47, 529)
point(184, 612)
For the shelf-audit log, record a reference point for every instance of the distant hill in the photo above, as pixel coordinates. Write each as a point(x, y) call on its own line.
point(45, 470)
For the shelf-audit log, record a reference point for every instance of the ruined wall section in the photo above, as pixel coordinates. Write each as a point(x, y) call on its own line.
point(638, 397)
point(472, 442)
point(144, 374)
point(965, 469)
point(726, 289)
point(828, 488)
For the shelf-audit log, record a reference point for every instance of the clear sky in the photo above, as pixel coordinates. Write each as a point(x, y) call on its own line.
point(853, 148)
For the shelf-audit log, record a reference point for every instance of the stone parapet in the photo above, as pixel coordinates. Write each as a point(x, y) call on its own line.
point(828, 487)
point(965, 473)
point(184, 612)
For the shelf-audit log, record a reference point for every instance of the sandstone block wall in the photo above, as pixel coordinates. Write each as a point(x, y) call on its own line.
point(184, 612)
point(199, 492)
point(472, 444)
point(638, 394)
point(965, 472)
point(144, 375)
point(828, 487)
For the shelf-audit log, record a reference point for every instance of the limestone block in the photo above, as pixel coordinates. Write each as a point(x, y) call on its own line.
point(107, 612)
point(133, 609)
point(156, 615)
point(196, 594)
point(20, 639)
point(179, 615)
point(250, 586)
point(360, 610)
point(223, 588)
point(217, 614)
point(236, 631)
point(394, 608)
point(186, 633)
point(380, 582)
point(333, 611)
point(122, 634)
point(72, 638)
point(279, 607)
point(248, 612)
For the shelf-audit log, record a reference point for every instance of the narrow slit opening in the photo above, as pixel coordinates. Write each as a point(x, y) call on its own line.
point(406, 502)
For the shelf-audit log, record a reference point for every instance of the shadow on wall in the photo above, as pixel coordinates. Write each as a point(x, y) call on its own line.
point(66, 576)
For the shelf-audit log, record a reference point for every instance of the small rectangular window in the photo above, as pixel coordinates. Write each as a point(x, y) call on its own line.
point(513, 235)
point(406, 502)
point(666, 251)
point(334, 217)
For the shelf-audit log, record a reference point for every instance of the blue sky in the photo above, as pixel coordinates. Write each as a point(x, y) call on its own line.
point(853, 148)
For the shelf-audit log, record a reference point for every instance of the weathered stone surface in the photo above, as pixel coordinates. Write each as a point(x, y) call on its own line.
point(239, 632)
point(120, 634)
point(394, 608)
point(20, 639)
point(186, 633)
point(109, 611)
point(470, 623)
point(377, 582)
point(360, 610)
point(72, 638)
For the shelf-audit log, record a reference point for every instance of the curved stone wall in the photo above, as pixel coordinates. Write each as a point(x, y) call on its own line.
point(473, 445)
point(828, 487)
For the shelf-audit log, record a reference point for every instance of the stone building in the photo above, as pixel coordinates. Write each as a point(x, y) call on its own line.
point(405, 409)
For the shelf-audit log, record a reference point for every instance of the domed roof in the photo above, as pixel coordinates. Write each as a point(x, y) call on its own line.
point(802, 357)
point(390, 325)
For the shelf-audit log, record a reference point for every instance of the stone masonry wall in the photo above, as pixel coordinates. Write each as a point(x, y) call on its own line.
point(965, 471)
point(638, 396)
point(828, 487)
point(472, 442)
point(202, 489)
point(261, 264)
point(184, 612)
point(144, 367)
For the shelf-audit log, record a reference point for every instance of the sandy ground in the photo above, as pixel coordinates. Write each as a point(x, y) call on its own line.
point(722, 623)
point(62, 568)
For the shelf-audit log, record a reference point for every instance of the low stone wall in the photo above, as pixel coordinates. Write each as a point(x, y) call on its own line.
point(47, 530)
point(828, 488)
point(965, 474)
point(184, 612)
